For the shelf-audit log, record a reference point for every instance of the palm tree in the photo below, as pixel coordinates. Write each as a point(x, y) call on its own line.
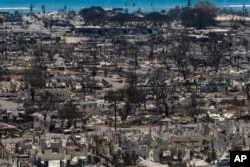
point(43, 8)
point(65, 9)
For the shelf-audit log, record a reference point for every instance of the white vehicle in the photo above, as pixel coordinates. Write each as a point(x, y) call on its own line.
point(72, 130)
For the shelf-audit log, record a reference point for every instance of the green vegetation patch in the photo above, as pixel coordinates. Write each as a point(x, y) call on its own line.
point(60, 33)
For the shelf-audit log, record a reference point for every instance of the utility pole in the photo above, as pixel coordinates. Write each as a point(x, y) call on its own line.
point(243, 9)
point(115, 113)
point(31, 8)
point(114, 96)
point(189, 3)
point(212, 144)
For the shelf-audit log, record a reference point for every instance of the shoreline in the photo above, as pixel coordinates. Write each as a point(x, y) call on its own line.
point(145, 8)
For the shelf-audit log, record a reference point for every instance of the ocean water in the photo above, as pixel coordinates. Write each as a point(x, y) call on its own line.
point(131, 5)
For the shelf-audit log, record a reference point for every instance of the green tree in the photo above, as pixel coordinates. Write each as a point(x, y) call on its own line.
point(174, 13)
point(201, 16)
point(157, 18)
point(94, 15)
point(208, 6)
point(121, 18)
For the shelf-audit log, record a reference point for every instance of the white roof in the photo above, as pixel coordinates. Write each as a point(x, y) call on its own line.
point(199, 163)
point(54, 163)
point(149, 163)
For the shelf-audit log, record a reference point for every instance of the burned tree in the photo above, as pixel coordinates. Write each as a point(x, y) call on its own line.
point(248, 90)
point(132, 97)
point(164, 95)
point(157, 84)
point(33, 79)
point(215, 50)
point(180, 55)
point(114, 97)
point(68, 112)
point(194, 107)
point(48, 101)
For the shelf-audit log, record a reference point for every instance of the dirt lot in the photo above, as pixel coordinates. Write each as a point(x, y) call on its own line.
point(72, 39)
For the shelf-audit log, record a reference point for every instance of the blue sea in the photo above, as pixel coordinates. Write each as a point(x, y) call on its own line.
point(23, 6)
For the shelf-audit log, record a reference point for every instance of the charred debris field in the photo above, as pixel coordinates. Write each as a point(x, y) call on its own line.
point(111, 88)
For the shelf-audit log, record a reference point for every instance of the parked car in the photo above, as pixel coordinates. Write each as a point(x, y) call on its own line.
point(215, 162)
point(224, 162)
point(72, 130)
